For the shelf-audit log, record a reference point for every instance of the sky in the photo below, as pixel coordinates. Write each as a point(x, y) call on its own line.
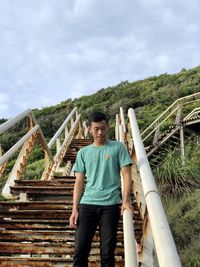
point(53, 50)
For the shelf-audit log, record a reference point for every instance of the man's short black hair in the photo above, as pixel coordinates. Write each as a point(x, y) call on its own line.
point(97, 116)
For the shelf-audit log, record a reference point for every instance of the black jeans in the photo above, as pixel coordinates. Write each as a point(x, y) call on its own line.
point(91, 216)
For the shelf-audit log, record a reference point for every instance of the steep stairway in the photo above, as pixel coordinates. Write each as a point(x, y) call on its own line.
point(36, 232)
point(170, 139)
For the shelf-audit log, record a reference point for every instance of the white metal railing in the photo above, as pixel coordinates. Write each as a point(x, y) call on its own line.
point(61, 152)
point(35, 130)
point(122, 119)
point(165, 247)
point(130, 253)
point(194, 112)
point(85, 129)
point(169, 112)
point(14, 148)
point(62, 127)
point(6, 125)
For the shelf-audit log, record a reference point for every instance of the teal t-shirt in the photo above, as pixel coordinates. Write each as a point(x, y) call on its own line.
point(101, 165)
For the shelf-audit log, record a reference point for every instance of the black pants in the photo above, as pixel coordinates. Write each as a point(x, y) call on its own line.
point(91, 216)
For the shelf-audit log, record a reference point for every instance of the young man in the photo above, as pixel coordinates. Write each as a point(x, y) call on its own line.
point(100, 163)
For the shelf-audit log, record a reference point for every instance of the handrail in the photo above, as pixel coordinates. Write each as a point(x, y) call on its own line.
point(6, 125)
point(14, 148)
point(57, 134)
point(61, 152)
point(165, 247)
point(174, 107)
point(85, 129)
point(33, 133)
point(194, 111)
point(129, 235)
point(122, 119)
point(11, 122)
point(67, 138)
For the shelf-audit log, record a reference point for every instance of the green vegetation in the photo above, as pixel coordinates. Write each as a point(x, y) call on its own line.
point(34, 170)
point(184, 217)
point(180, 191)
point(174, 179)
point(179, 185)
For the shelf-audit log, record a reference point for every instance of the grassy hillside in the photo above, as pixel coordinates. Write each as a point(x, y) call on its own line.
point(184, 216)
point(149, 97)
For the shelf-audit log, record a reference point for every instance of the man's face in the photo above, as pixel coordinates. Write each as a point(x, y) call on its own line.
point(99, 131)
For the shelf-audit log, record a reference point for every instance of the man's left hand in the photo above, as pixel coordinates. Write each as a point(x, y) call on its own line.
point(126, 206)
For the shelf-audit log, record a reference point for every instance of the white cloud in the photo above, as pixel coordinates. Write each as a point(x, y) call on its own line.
point(52, 50)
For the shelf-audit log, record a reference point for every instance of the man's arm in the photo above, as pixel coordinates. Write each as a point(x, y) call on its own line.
point(127, 189)
point(78, 191)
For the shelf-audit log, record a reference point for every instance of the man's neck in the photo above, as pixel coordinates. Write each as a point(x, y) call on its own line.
point(95, 143)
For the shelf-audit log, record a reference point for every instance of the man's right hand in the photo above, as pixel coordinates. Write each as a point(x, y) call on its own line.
point(73, 219)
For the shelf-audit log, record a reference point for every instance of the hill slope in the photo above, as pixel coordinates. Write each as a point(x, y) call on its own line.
point(149, 98)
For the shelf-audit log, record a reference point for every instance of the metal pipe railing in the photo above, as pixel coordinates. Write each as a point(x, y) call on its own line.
point(85, 129)
point(66, 139)
point(164, 243)
point(60, 153)
point(14, 148)
point(6, 125)
point(192, 113)
point(173, 108)
point(122, 119)
point(62, 127)
point(11, 122)
point(130, 254)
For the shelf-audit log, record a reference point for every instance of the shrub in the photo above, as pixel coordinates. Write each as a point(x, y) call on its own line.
point(175, 179)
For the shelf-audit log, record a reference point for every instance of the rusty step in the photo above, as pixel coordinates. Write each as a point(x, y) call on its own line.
point(51, 235)
point(34, 262)
point(33, 205)
point(56, 176)
point(31, 223)
point(45, 214)
point(54, 182)
point(40, 214)
point(18, 224)
point(42, 190)
point(74, 147)
point(82, 141)
point(9, 248)
point(23, 224)
point(46, 262)
point(35, 236)
point(46, 224)
point(45, 236)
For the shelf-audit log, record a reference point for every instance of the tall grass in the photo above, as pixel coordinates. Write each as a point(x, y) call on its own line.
point(175, 179)
point(184, 217)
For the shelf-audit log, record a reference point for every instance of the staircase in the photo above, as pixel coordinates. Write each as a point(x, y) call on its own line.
point(34, 222)
point(176, 134)
point(170, 139)
point(36, 232)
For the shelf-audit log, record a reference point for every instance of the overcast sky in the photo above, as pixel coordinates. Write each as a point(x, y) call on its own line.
point(52, 50)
